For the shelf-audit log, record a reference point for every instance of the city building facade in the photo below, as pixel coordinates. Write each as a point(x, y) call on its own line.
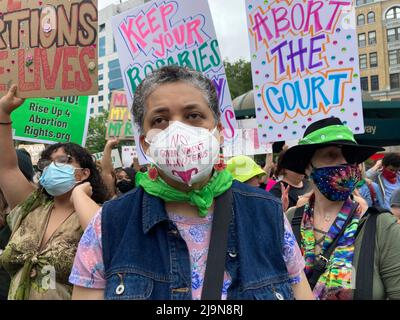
point(110, 77)
point(378, 31)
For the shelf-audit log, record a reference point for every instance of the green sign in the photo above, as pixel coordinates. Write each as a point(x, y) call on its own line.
point(51, 120)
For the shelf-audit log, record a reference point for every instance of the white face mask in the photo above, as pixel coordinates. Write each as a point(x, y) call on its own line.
point(184, 153)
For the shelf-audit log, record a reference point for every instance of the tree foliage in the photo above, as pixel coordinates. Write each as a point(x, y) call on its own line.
point(96, 138)
point(239, 78)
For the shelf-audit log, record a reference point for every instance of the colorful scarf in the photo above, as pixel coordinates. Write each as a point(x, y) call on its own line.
point(336, 281)
point(202, 199)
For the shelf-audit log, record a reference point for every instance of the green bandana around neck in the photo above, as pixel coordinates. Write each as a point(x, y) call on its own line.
point(329, 134)
point(202, 199)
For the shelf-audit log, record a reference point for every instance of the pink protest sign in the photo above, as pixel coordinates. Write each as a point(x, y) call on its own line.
point(305, 65)
point(179, 32)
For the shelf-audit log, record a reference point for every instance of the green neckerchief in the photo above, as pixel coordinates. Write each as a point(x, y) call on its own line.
point(360, 183)
point(202, 199)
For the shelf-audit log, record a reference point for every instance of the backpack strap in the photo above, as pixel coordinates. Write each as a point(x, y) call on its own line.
point(296, 223)
point(366, 262)
point(214, 273)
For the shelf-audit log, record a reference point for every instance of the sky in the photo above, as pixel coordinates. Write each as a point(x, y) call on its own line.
point(230, 27)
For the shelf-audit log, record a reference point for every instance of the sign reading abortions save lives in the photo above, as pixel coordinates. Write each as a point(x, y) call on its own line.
point(48, 47)
point(179, 32)
point(62, 119)
point(304, 61)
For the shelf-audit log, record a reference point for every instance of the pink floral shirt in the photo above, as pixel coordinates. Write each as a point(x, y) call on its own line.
point(88, 269)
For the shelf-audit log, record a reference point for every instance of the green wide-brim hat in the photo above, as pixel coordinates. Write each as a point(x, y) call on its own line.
point(244, 168)
point(324, 133)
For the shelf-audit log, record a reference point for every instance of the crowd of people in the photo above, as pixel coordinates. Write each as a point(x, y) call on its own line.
point(315, 225)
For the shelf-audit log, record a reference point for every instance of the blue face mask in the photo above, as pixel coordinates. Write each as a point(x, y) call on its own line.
point(58, 180)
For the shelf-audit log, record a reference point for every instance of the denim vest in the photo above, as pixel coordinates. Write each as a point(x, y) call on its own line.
point(146, 258)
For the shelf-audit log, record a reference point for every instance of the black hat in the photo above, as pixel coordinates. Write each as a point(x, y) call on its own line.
point(25, 164)
point(323, 133)
point(130, 172)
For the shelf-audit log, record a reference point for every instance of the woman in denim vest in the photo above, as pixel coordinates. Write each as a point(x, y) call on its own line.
point(152, 243)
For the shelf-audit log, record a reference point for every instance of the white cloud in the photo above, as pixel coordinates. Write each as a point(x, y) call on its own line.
point(230, 26)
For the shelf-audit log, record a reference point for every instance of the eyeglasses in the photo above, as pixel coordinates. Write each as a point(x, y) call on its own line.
point(59, 162)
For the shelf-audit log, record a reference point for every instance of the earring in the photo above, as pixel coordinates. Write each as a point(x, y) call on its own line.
point(153, 173)
point(220, 165)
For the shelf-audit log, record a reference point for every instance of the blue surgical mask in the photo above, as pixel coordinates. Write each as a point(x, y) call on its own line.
point(58, 180)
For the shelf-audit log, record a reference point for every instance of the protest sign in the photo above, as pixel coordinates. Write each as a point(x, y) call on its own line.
point(48, 48)
point(246, 143)
point(119, 122)
point(179, 32)
point(115, 157)
point(35, 150)
point(52, 120)
point(128, 154)
point(304, 61)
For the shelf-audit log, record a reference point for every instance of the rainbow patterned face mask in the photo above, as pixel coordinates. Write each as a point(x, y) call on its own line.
point(338, 182)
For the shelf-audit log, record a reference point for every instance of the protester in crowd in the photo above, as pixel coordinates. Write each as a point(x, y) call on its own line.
point(387, 176)
point(25, 165)
point(395, 204)
point(153, 242)
point(125, 180)
point(372, 172)
point(5, 234)
point(107, 167)
point(292, 182)
point(44, 223)
point(369, 190)
point(246, 170)
point(4, 210)
point(331, 227)
point(138, 168)
point(267, 166)
point(263, 178)
point(272, 180)
point(118, 181)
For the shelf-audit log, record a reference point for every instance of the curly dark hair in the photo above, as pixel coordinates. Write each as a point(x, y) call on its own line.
point(85, 160)
point(391, 159)
point(279, 165)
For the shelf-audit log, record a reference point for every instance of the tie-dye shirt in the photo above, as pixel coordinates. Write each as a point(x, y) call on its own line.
point(88, 269)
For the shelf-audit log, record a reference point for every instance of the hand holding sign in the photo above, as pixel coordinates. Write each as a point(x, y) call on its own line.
point(10, 102)
point(112, 143)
